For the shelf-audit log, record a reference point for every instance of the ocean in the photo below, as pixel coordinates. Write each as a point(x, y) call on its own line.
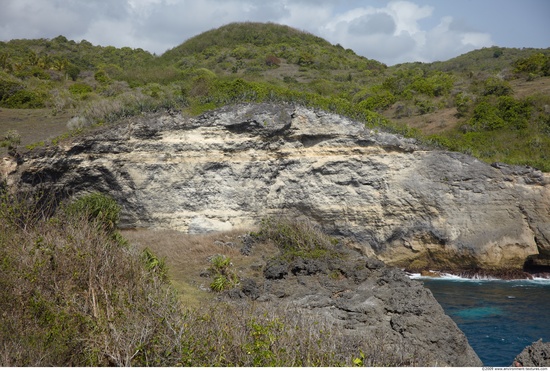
point(499, 318)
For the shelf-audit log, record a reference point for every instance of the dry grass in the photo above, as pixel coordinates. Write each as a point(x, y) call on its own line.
point(187, 256)
point(34, 125)
point(74, 296)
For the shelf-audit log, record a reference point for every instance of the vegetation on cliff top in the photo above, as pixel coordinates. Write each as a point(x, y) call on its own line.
point(491, 103)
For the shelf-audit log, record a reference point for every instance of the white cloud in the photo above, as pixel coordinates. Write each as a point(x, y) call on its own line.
point(393, 33)
point(446, 41)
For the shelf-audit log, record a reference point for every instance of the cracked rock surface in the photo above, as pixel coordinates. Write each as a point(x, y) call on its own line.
point(383, 193)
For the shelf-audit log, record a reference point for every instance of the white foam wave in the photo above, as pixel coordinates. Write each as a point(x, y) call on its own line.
point(476, 278)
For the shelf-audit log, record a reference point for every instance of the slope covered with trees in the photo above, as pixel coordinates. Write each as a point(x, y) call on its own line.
point(491, 103)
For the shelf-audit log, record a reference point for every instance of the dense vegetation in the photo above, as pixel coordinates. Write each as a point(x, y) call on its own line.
point(266, 62)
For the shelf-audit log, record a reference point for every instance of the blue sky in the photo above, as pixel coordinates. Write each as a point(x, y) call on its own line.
point(388, 31)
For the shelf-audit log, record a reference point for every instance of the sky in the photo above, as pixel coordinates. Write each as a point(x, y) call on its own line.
point(391, 32)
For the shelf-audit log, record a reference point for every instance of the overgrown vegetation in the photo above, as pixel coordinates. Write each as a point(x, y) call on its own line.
point(297, 239)
point(72, 295)
point(254, 62)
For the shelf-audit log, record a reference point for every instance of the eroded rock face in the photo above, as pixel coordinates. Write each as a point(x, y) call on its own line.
point(229, 168)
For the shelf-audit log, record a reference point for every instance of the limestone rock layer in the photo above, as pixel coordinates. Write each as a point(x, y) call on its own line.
point(385, 194)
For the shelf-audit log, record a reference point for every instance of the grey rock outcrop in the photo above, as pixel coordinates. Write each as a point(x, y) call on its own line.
point(226, 169)
point(535, 355)
point(387, 315)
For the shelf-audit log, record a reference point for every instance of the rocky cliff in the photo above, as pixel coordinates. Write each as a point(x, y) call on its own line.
point(383, 193)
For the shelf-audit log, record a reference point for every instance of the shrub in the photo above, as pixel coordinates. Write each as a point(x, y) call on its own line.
point(462, 103)
point(297, 239)
point(486, 117)
point(496, 86)
point(515, 113)
point(25, 99)
point(224, 277)
point(80, 89)
point(102, 77)
point(537, 63)
point(379, 100)
point(73, 296)
point(8, 86)
point(11, 140)
point(272, 60)
point(73, 72)
point(98, 208)
point(424, 106)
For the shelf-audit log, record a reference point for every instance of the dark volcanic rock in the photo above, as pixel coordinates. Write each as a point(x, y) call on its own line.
point(535, 355)
point(368, 300)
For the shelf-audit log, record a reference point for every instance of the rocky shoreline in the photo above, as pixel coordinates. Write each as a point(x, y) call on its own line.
point(500, 274)
point(391, 317)
point(534, 355)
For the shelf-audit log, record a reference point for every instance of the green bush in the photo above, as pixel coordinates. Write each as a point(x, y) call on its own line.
point(80, 89)
point(73, 71)
point(486, 117)
point(515, 113)
point(378, 100)
point(25, 99)
point(102, 77)
point(8, 86)
point(497, 87)
point(34, 71)
point(538, 64)
point(424, 106)
point(224, 277)
point(96, 207)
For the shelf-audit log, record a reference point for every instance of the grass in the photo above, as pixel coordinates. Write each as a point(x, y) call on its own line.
point(34, 125)
point(187, 256)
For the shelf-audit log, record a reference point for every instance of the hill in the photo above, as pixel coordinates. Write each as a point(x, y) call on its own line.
point(491, 102)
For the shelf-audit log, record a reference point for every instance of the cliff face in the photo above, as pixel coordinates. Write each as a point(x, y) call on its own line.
point(229, 168)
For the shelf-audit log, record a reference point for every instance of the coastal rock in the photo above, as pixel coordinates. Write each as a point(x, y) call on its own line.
point(384, 194)
point(391, 317)
point(535, 355)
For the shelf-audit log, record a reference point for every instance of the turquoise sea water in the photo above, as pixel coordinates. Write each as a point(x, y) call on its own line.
point(499, 318)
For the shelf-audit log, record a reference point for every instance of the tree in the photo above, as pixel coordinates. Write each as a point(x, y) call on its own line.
point(73, 71)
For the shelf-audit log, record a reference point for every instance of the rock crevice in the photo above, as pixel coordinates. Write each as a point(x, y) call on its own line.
point(229, 168)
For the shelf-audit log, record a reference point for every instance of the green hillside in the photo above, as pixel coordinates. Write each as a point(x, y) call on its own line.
point(491, 103)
